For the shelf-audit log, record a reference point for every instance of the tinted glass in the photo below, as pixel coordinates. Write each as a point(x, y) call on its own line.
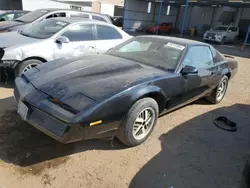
point(80, 15)
point(7, 17)
point(94, 17)
point(44, 29)
point(80, 33)
point(59, 14)
point(107, 33)
point(220, 28)
point(150, 51)
point(32, 16)
point(234, 29)
point(199, 57)
point(217, 56)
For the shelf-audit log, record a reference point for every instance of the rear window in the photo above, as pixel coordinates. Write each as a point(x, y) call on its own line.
point(99, 18)
point(32, 16)
point(79, 15)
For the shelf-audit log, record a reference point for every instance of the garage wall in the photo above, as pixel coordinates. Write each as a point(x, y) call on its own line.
point(196, 17)
point(107, 9)
point(171, 18)
point(39, 4)
point(136, 16)
point(245, 13)
point(10, 4)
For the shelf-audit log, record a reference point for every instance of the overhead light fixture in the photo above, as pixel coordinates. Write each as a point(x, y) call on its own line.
point(168, 10)
point(149, 7)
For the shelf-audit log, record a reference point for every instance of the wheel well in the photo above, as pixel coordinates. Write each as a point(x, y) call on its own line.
point(37, 58)
point(228, 75)
point(160, 99)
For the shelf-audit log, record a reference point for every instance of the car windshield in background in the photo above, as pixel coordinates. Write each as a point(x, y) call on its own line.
point(32, 16)
point(159, 53)
point(220, 28)
point(44, 29)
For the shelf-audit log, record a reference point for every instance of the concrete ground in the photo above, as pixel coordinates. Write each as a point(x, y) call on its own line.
point(186, 150)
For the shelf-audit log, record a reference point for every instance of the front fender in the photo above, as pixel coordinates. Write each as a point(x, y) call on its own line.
point(146, 91)
point(117, 106)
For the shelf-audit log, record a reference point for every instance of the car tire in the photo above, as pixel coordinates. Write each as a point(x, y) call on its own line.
point(26, 65)
point(135, 128)
point(219, 92)
point(223, 40)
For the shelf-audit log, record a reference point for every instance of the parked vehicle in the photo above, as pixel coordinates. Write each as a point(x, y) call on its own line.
point(163, 28)
point(222, 34)
point(41, 14)
point(11, 15)
point(122, 92)
point(56, 38)
point(118, 21)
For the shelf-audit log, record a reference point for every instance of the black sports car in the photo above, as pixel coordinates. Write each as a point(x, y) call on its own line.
point(123, 92)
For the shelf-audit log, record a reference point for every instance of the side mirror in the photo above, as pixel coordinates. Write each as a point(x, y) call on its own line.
point(62, 39)
point(229, 31)
point(189, 70)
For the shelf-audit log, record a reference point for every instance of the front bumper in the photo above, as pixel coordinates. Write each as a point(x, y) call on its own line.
point(62, 131)
point(214, 38)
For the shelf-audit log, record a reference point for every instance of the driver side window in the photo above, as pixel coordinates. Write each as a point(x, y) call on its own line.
point(199, 57)
point(78, 33)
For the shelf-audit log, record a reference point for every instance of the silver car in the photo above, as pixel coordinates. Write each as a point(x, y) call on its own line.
point(222, 34)
point(57, 38)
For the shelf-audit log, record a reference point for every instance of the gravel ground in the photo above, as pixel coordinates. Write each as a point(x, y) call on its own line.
point(185, 150)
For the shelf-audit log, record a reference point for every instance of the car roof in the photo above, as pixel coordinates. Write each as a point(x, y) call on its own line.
point(58, 9)
point(14, 11)
point(181, 41)
point(71, 20)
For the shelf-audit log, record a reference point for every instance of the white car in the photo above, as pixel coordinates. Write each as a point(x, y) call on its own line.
point(57, 38)
point(222, 34)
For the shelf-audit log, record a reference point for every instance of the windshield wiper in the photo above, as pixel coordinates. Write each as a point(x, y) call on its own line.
point(19, 20)
point(161, 67)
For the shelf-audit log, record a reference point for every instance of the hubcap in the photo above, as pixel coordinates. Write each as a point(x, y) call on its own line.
point(30, 66)
point(143, 123)
point(221, 90)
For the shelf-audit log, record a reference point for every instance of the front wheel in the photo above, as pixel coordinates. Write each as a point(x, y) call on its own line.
point(219, 92)
point(26, 65)
point(139, 122)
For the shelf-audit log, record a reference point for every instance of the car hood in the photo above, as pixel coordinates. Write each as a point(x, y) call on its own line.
point(9, 24)
point(95, 76)
point(12, 39)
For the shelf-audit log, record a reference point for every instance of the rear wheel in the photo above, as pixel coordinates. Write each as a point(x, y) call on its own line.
point(219, 92)
point(26, 65)
point(139, 122)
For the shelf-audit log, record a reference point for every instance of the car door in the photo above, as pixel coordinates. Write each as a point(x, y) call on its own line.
point(107, 38)
point(230, 34)
point(81, 41)
point(196, 85)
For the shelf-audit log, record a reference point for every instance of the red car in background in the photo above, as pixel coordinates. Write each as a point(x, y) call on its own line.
point(163, 28)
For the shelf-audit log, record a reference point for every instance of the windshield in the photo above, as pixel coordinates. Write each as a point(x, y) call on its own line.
point(32, 16)
point(44, 29)
point(220, 28)
point(155, 52)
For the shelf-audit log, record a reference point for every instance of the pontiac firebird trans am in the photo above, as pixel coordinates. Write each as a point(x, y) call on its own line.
point(122, 92)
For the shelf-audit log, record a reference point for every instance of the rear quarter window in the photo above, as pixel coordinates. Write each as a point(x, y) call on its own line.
point(99, 18)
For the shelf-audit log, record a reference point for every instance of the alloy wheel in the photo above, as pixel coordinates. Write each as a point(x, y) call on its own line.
point(30, 66)
point(143, 123)
point(221, 90)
